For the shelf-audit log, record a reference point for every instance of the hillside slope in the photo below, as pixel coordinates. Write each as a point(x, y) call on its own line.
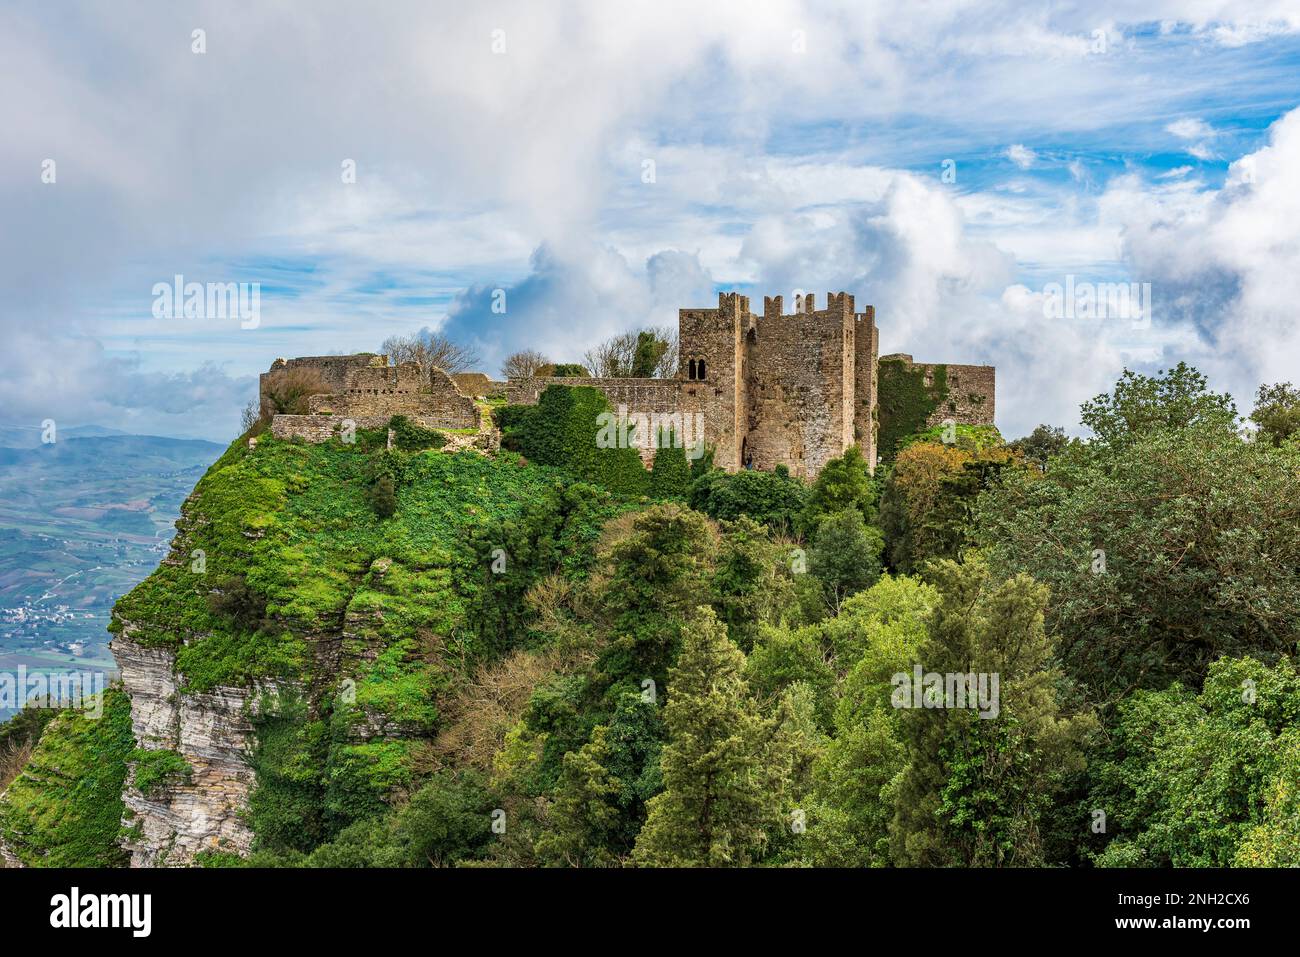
point(284, 663)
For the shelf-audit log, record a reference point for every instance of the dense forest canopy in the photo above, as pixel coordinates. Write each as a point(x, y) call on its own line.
point(1038, 653)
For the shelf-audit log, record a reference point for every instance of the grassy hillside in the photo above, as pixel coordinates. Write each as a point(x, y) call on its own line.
point(65, 808)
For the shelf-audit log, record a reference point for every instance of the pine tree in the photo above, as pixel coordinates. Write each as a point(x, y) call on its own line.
point(978, 787)
point(722, 775)
point(843, 482)
point(582, 818)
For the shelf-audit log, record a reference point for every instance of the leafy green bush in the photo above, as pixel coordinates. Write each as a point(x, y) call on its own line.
point(158, 769)
point(410, 437)
point(771, 498)
point(562, 430)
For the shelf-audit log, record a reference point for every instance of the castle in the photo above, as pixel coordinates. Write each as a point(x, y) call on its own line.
point(792, 389)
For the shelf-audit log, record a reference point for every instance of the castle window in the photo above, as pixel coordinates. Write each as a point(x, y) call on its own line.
point(690, 369)
point(699, 371)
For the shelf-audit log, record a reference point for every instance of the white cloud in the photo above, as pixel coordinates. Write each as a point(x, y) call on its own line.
point(774, 167)
point(1222, 262)
point(1190, 128)
point(1021, 155)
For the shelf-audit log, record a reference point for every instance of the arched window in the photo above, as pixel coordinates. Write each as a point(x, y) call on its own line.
point(690, 369)
point(699, 370)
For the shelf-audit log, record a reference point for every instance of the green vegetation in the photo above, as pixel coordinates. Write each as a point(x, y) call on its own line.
point(771, 498)
point(562, 430)
point(158, 769)
point(65, 808)
point(531, 662)
point(905, 402)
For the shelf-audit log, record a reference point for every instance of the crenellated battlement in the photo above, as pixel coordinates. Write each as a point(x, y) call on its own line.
point(793, 389)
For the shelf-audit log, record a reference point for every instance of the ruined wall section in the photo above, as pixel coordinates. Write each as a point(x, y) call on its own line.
point(334, 370)
point(385, 391)
point(639, 395)
point(971, 391)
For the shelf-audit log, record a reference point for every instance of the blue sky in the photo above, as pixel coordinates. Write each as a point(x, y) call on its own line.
point(795, 145)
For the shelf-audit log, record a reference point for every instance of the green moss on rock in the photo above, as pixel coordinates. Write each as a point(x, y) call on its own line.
point(65, 808)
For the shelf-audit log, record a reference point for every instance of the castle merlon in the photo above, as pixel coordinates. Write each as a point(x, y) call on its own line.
point(793, 389)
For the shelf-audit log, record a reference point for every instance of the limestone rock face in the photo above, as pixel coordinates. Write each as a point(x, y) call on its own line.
point(213, 733)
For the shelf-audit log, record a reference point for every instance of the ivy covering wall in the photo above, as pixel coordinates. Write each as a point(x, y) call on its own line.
point(561, 430)
point(905, 402)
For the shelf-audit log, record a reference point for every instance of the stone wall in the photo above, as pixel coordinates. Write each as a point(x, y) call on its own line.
point(472, 383)
point(866, 346)
point(320, 428)
point(971, 393)
point(799, 385)
point(334, 370)
point(367, 390)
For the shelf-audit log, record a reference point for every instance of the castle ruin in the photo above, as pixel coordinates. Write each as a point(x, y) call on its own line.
point(794, 389)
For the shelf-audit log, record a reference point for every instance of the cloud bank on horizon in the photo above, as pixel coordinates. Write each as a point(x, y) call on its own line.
point(605, 163)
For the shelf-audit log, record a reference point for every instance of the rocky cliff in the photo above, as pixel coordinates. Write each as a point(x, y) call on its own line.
point(202, 809)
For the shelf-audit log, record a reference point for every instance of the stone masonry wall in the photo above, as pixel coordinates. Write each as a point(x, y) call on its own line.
point(799, 385)
point(971, 394)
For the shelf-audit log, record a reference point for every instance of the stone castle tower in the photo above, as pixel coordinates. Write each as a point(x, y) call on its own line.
point(794, 389)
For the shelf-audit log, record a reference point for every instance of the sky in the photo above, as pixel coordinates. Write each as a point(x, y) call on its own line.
point(595, 165)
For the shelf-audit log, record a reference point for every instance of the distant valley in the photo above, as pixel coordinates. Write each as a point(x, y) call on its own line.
point(82, 520)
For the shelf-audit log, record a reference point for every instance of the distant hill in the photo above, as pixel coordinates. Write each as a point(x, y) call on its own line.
point(82, 520)
point(29, 436)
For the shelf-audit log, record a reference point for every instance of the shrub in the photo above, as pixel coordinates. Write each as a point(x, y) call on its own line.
point(287, 390)
point(562, 430)
point(772, 498)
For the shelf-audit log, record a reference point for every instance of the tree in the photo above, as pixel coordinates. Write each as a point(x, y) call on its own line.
point(584, 813)
point(430, 350)
point(876, 635)
point(773, 498)
point(982, 774)
point(250, 416)
point(1204, 780)
point(845, 556)
point(929, 497)
point(661, 570)
point(641, 353)
point(567, 370)
point(1175, 548)
point(383, 496)
point(286, 391)
point(752, 584)
point(649, 352)
point(1041, 445)
point(1173, 400)
point(1277, 412)
point(718, 804)
point(843, 482)
point(523, 364)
